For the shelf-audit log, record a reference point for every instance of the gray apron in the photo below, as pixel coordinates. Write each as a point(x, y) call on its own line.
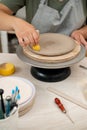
point(70, 18)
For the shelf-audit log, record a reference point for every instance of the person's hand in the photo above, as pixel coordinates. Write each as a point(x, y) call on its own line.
point(25, 33)
point(79, 36)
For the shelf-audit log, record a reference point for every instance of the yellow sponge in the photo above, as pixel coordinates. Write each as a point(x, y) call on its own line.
point(7, 69)
point(36, 47)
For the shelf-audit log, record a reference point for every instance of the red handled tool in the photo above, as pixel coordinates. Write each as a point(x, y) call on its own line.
point(62, 108)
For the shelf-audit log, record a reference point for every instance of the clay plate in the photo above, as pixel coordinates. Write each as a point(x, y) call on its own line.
point(54, 44)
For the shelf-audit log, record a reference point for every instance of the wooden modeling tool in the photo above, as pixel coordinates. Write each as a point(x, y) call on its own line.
point(65, 96)
point(82, 66)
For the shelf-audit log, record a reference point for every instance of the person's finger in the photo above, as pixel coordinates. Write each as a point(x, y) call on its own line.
point(31, 38)
point(86, 47)
point(26, 41)
point(21, 42)
point(76, 37)
point(36, 37)
point(82, 40)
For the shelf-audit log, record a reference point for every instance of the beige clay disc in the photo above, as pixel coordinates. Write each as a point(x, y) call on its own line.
point(54, 44)
point(53, 59)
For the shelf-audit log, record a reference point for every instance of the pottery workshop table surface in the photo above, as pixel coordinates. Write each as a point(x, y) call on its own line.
point(45, 115)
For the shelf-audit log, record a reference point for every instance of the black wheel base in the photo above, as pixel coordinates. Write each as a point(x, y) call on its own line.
point(50, 75)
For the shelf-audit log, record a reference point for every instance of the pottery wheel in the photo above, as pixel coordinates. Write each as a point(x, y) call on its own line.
point(50, 72)
point(52, 63)
point(54, 48)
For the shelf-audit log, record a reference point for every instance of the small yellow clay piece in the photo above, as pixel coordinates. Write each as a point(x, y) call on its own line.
point(7, 69)
point(36, 47)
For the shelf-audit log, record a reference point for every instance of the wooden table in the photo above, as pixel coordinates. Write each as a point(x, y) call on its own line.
point(45, 115)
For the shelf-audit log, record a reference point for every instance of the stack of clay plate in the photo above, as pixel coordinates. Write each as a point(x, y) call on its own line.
point(54, 48)
point(26, 89)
